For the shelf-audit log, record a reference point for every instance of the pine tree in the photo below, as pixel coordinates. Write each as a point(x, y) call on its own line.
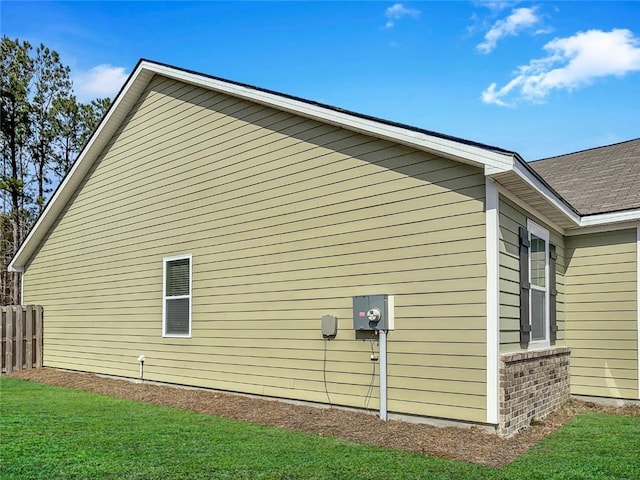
point(44, 129)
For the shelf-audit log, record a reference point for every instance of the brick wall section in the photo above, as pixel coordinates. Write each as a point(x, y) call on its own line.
point(532, 385)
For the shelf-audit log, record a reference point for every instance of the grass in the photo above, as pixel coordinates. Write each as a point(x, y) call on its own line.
point(55, 433)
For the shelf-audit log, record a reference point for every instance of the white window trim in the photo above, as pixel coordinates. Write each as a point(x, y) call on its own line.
point(540, 232)
point(164, 294)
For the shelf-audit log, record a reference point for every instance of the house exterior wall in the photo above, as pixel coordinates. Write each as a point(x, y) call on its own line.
point(602, 314)
point(286, 219)
point(512, 217)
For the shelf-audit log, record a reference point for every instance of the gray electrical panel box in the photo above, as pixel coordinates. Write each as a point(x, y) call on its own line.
point(373, 312)
point(329, 325)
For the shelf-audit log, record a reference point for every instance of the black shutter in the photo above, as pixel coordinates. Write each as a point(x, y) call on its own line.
point(525, 326)
point(553, 293)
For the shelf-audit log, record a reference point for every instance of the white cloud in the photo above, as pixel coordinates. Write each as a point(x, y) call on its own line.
point(572, 62)
point(495, 6)
point(397, 11)
point(519, 20)
point(543, 31)
point(99, 81)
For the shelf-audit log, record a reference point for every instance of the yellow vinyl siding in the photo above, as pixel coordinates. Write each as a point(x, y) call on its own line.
point(286, 219)
point(602, 314)
point(512, 217)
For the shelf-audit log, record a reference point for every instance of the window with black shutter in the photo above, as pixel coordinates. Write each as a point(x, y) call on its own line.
point(537, 287)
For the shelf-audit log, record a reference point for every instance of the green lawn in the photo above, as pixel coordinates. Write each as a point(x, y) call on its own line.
point(56, 433)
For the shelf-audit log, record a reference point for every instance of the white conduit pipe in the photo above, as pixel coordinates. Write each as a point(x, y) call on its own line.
point(382, 338)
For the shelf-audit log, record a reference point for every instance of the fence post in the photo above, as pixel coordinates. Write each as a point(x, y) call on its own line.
point(29, 336)
point(19, 337)
point(3, 335)
point(8, 365)
point(39, 342)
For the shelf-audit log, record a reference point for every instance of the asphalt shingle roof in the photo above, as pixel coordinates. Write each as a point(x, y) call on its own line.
point(598, 180)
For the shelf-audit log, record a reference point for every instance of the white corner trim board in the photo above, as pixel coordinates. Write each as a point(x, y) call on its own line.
point(638, 299)
point(492, 249)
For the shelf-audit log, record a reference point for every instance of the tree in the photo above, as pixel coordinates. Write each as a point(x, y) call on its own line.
point(44, 128)
point(16, 75)
point(51, 84)
point(75, 123)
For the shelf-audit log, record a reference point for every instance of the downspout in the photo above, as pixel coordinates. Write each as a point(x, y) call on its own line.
point(21, 273)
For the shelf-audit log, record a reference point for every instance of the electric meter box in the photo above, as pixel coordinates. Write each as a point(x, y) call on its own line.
point(373, 312)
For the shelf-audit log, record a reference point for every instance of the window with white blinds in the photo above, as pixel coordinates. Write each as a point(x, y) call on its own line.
point(176, 308)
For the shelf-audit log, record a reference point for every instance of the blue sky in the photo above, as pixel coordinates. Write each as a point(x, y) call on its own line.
point(539, 78)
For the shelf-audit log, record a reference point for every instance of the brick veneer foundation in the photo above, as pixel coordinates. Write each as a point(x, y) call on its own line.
point(532, 385)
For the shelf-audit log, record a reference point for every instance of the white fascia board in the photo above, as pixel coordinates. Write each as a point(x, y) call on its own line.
point(110, 123)
point(609, 227)
point(496, 161)
point(546, 192)
point(613, 217)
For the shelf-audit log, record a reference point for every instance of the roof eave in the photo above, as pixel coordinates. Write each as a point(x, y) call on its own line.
point(574, 220)
point(610, 218)
point(493, 160)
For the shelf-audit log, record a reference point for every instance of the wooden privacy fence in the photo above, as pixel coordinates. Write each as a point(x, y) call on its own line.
point(21, 332)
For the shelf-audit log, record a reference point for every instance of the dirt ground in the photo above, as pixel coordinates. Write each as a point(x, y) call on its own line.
point(466, 444)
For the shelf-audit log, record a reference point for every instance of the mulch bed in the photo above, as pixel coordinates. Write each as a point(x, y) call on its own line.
point(472, 444)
